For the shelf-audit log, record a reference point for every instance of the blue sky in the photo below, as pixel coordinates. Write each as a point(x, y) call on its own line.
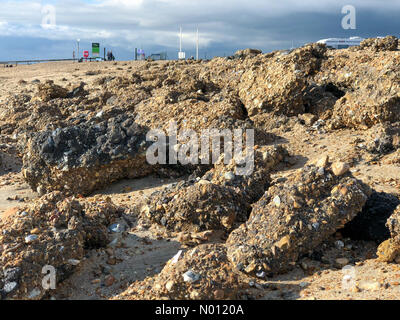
point(153, 25)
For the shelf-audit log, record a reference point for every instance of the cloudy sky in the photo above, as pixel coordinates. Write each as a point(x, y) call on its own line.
point(30, 30)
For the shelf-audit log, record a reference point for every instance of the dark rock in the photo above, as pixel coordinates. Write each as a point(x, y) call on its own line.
point(86, 157)
point(370, 224)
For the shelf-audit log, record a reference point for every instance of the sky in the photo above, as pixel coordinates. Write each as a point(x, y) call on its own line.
point(45, 29)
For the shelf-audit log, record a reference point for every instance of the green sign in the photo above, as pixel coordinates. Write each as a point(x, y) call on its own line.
point(95, 49)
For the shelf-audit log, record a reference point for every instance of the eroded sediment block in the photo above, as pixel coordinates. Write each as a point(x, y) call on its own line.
point(217, 200)
point(83, 158)
point(294, 216)
point(54, 232)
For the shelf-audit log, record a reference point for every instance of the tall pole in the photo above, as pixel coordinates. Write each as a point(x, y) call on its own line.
point(78, 47)
point(197, 44)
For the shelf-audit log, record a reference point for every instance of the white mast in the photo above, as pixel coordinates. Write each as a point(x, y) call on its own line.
point(181, 55)
point(197, 44)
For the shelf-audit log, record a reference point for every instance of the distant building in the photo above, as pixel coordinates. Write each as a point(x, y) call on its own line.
point(159, 56)
point(338, 43)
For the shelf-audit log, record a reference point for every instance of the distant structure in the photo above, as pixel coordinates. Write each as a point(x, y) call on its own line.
point(181, 54)
point(141, 55)
point(342, 43)
point(159, 56)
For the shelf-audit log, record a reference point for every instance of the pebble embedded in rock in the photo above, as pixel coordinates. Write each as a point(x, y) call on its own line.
point(31, 238)
point(109, 280)
point(277, 201)
point(116, 228)
point(190, 277)
point(229, 176)
point(323, 162)
point(219, 294)
point(340, 168)
point(169, 285)
point(10, 287)
point(342, 262)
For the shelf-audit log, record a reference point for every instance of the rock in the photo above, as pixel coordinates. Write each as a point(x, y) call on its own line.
point(116, 228)
point(84, 158)
point(275, 237)
point(339, 245)
point(169, 285)
point(31, 238)
point(383, 139)
point(35, 231)
point(219, 294)
point(308, 118)
point(340, 168)
point(74, 262)
point(48, 91)
point(229, 176)
point(216, 205)
point(277, 201)
point(68, 227)
point(247, 53)
point(389, 43)
point(109, 280)
point(207, 263)
point(342, 262)
point(275, 84)
point(323, 162)
point(191, 277)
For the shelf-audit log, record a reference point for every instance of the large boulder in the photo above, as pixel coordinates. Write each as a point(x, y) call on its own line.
point(55, 231)
point(83, 158)
point(276, 82)
point(293, 217)
point(217, 200)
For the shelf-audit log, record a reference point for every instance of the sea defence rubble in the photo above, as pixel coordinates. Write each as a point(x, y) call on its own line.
point(55, 231)
point(217, 200)
point(86, 157)
point(294, 216)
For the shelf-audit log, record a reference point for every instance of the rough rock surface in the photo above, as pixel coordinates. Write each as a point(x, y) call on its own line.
point(84, 158)
point(367, 87)
point(385, 138)
point(203, 273)
point(389, 43)
point(275, 82)
point(240, 54)
point(55, 231)
point(293, 217)
point(217, 200)
point(48, 91)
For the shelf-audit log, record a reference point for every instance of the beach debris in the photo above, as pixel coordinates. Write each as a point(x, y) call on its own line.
point(275, 236)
